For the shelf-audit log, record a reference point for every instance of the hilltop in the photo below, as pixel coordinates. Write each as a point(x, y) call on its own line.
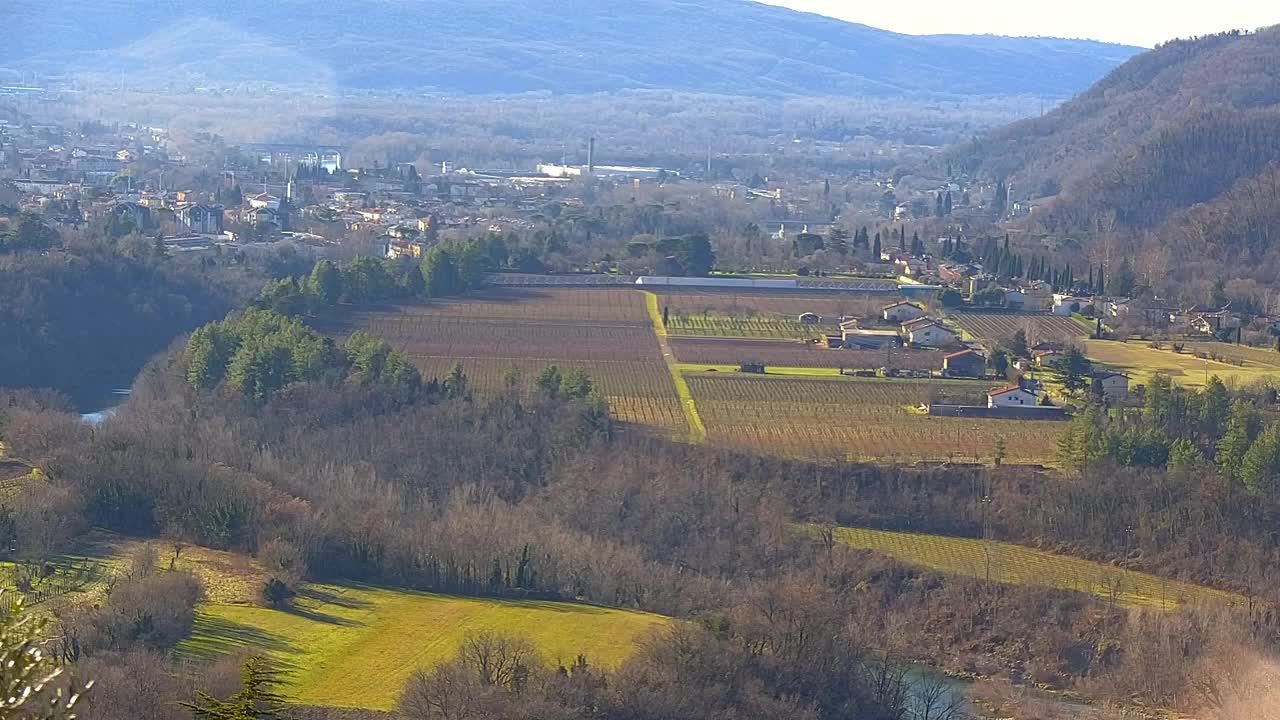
point(1171, 128)
point(516, 46)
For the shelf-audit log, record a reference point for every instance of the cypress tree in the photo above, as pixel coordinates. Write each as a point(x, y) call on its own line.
point(1102, 284)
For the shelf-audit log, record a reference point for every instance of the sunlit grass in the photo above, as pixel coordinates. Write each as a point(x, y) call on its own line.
point(1018, 565)
point(349, 646)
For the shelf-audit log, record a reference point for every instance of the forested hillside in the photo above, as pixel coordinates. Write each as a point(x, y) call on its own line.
point(515, 46)
point(1181, 141)
point(84, 319)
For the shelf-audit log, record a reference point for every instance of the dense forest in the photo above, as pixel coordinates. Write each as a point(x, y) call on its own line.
point(116, 303)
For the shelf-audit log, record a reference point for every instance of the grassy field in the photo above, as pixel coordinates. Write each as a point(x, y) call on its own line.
point(352, 646)
point(348, 646)
point(855, 419)
point(1018, 565)
point(1140, 362)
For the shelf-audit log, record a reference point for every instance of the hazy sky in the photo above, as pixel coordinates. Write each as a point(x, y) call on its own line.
point(1134, 22)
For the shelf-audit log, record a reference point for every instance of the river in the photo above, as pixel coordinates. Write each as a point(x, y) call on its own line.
point(104, 406)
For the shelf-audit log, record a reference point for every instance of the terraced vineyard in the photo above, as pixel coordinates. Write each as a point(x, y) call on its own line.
point(1039, 328)
point(846, 419)
point(1019, 565)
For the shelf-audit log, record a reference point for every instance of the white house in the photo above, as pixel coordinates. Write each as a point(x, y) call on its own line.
point(1111, 385)
point(931, 335)
point(1014, 396)
point(264, 200)
point(901, 312)
point(1067, 304)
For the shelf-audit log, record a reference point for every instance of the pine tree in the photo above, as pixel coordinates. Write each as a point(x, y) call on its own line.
point(1102, 284)
point(1260, 466)
point(1235, 442)
point(257, 699)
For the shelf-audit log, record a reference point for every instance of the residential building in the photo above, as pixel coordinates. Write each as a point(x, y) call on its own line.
point(1068, 304)
point(931, 334)
point(1111, 385)
point(202, 219)
point(901, 312)
point(1013, 396)
point(966, 363)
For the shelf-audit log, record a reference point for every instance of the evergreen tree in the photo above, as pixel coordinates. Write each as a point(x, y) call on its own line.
point(1215, 409)
point(1083, 443)
point(1075, 369)
point(1184, 456)
point(1242, 427)
point(938, 210)
point(1001, 202)
point(576, 383)
point(946, 204)
point(1260, 467)
point(440, 273)
point(549, 381)
point(326, 282)
point(875, 249)
point(257, 699)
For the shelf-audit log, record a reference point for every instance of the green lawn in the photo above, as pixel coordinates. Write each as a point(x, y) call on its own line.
point(1020, 565)
point(1140, 362)
point(355, 646)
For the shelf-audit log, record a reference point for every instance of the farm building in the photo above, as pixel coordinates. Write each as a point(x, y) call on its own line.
point(861, 339)
point(1014, 396)
point(930, 334)
point(965, 363)
point(901, 312)
point(1111, 385)
point(835, 341)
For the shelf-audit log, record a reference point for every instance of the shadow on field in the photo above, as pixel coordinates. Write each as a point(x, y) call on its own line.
point(214, 636)
point(332, 598)
point(320, 617)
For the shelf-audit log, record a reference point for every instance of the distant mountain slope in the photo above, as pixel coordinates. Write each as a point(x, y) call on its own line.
point(508, 46)
point(1172, 128)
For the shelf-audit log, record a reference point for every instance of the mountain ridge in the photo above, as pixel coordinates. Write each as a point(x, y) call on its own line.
point(1179, 146)
point(564, 47)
